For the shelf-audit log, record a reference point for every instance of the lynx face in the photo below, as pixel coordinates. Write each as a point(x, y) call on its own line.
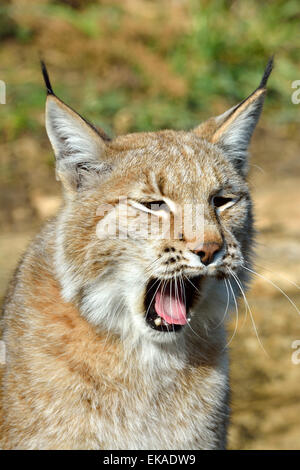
point(151, 272)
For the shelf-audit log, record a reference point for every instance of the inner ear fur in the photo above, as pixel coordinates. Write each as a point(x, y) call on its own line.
point(214, 128)
point(78, 146)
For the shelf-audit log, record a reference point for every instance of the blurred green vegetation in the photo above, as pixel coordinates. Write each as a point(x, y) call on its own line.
point(137, 65)
point(133, 65)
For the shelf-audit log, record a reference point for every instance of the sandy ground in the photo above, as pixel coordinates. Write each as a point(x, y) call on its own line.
point(264, 379)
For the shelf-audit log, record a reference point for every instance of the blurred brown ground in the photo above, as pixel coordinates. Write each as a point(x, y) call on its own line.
point(265, 385)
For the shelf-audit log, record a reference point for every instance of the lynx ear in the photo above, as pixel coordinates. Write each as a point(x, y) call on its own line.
point(79, 148)
point(232, 131)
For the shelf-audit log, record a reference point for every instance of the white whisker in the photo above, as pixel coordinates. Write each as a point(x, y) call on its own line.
point(276, 287)
point(226, 309)
point(278, 274)
point(189, 324)
point(236, 316)
point(191, 283)
point(150, 303)
point(237, 280)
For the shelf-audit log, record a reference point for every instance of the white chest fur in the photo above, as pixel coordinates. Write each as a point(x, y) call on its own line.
point(166, 412)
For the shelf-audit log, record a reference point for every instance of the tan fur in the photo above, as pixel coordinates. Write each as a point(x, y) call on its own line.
point(75, 373)
point(83, 370)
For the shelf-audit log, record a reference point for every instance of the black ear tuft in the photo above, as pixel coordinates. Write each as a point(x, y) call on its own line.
point(267, 73)
point(47, 79)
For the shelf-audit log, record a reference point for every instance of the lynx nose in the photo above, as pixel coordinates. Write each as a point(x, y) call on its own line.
point(207, 251)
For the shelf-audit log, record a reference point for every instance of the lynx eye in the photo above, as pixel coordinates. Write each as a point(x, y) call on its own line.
point(223, 202)
point(154, 205)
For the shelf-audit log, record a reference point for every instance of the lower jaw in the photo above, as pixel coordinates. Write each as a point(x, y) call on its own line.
point(165, 327)
point(198, 292)
point(159, 324)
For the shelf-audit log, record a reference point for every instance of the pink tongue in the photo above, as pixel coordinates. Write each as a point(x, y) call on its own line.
point(170, 306)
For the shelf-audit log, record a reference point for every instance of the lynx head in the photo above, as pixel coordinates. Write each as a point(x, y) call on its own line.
point(153, 223)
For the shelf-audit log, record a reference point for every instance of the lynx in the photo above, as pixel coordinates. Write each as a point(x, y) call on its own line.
point(119, 342)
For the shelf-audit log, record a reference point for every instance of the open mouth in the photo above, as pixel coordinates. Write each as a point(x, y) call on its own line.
point(168, 303)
